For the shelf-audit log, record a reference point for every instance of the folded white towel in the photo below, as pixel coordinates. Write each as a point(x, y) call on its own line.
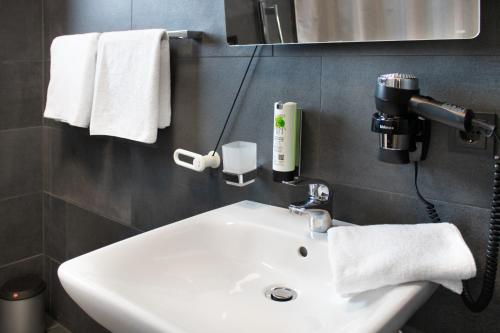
point(369, 257)
point(132, 88)
point(72, 73)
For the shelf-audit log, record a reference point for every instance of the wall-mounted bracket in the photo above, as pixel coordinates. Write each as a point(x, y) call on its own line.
point(473, 143)
point(185, 34)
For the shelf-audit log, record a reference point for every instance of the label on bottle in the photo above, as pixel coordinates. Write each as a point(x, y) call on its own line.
point(285, 137)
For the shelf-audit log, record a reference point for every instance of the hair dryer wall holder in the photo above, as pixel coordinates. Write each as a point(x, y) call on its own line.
point(422, 140)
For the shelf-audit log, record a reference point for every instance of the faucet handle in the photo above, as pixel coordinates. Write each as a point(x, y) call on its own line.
point(319, 191)
point(320, 220)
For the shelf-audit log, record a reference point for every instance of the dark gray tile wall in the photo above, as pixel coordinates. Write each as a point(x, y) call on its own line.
point(71, 231)
point(21, 33)
point(20, 153)
point(101, 190)
point(20, 93)
point(92, 171)
point(30, 265)
point(21, 228)
point(21, 235)
point(75, 16)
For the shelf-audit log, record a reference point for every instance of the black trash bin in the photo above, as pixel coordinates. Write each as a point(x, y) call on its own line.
point(22, 306)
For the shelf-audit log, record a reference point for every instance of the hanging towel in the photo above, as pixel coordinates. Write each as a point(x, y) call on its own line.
point(369, 257)
point(72, 73)
point(132, 88)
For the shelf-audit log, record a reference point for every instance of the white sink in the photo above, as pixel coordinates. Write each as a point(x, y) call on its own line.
point(210, 272)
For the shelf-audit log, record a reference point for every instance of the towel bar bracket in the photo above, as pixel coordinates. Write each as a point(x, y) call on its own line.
point(185, 34)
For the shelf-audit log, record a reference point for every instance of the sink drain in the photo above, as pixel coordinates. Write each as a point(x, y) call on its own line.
point(281, 294)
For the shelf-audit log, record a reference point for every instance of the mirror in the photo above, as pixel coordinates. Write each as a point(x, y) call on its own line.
point(334, 21)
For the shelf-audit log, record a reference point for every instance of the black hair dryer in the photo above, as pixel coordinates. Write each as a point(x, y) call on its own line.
point(403, 119)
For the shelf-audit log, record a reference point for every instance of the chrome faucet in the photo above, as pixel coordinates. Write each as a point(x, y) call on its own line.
point(317, 206)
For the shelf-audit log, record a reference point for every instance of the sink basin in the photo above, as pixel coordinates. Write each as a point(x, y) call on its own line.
point(211, 273)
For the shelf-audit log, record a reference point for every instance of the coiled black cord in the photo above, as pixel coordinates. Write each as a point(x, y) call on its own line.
point(489, 277)
point(429, 207)
point(490, 273)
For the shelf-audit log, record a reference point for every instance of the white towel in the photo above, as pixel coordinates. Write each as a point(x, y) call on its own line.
point(369, 257)
point(132, 88)
point(72, 74)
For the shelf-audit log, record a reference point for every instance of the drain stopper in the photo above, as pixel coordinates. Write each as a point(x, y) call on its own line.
point(281, 294)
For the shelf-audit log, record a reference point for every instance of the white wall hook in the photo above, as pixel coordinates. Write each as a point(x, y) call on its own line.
point(200, 162)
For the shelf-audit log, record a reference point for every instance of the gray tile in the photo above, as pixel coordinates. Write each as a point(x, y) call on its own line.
point(275, 79)
point(32, 265)
point(20, 228)
point(64, 17)
point(204, 90)
point(485, 44)
point(348, 151)
point(202, 95)
point(71, 231)
point(158, 182)
point(64, 309)
point(93, 172)
point(280, 79)
point(21, 94)
point(21, 33)
point(364, 206)
point(445, 313)
point(264, 190)
point(54, 228)
point(45, 159)
point(163, 192)
point(205, 16)
point(20, 153)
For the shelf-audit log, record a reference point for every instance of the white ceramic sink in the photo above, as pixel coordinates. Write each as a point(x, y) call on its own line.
point(210, 272)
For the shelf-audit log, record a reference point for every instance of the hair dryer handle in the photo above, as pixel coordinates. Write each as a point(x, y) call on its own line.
point(448, 114)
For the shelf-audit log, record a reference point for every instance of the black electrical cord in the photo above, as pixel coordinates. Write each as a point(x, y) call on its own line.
point(235, 100)
point(429, 207)
point(489, 277)
point(490, 273)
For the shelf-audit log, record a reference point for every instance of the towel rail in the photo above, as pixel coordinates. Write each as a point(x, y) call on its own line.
point(184, 34)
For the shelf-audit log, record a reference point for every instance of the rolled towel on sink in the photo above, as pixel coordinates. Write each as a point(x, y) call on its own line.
point(363, 258)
